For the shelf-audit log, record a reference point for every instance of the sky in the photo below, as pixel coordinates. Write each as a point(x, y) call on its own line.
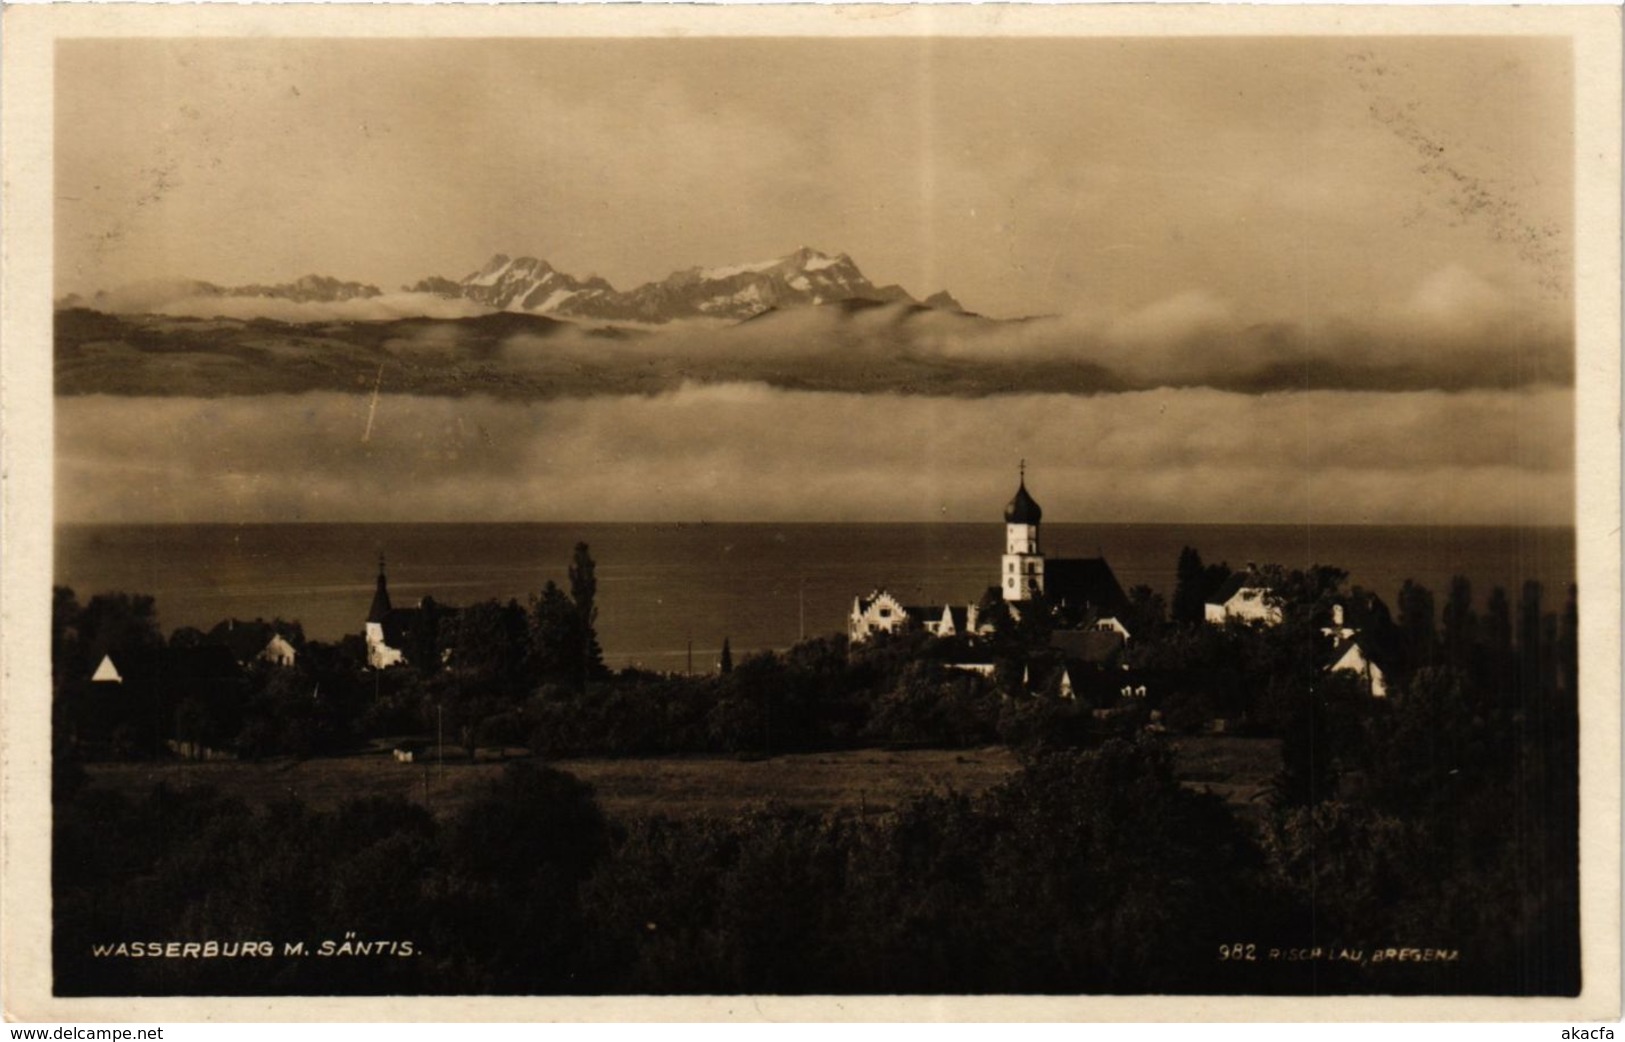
point(1026, 176)
point(1331, 278)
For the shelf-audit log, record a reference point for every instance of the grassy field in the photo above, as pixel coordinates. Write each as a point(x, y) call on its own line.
point(1239, 769)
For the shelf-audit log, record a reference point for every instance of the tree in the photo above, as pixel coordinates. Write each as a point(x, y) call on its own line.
point(66, 650)
point(1460, 624)
point(1190, 587)
point(583, 592)
point(1568, 640)
point(188, 637)
point(422, 641)
point(726, 664)
point(1498, 665)
point(1145, 613)
point(117, 622)
point(556, 638)
point(1531, 649)
point(1416, 629)
point(489, 644)
point(1318, 740)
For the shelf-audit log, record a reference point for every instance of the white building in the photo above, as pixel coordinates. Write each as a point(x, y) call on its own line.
point(879, 612)
point(1348, 656)
point(1243, 597)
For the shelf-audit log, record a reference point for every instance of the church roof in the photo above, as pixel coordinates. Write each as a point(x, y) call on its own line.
point(399, 625)
point(1023, 509)
point(1081, 581)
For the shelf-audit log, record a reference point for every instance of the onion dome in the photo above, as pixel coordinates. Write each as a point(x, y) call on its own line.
point(1023, 509)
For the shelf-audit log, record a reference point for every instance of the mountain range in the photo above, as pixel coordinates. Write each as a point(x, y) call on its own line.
point(804, 277)
point(308, 289)
point(529, 285)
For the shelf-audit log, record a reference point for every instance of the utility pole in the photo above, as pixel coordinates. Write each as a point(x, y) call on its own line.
point(801, 604)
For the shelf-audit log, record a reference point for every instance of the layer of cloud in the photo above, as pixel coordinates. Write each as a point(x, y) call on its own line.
point(1456, 331)
point(179, 300)
point(750, 452)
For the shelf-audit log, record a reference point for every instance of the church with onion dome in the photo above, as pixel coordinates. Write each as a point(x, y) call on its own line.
point(1084, 585)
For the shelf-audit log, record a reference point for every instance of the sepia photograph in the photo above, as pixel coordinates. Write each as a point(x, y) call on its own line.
point(818, 503)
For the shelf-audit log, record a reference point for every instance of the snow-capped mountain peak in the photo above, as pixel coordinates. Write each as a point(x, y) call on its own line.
point(803, 277)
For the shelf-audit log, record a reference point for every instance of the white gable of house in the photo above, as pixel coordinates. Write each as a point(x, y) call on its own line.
point(278, 651)
point(1249, 604)
point(379, 654)
point(1354, 661)
point(1113, 624)
point(106, 672)
point(878, 613)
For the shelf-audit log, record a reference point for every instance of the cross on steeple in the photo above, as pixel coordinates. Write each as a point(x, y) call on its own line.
point(1024, 469)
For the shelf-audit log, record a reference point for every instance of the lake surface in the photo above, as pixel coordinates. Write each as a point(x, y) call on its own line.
point(661, 587)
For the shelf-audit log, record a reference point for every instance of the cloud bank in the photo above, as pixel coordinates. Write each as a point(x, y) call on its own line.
point(179, 300)
point(752, 452)
point(1455, 332)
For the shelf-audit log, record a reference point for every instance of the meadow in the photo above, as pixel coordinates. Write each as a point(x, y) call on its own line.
point(863, 780)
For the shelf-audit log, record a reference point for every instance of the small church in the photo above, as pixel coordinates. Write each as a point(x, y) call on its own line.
point(390, 630)
point(1081, 583)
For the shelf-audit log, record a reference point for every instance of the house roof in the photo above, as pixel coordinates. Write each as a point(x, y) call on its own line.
point(960, 617)
point(1234, 585)
point(865, 603)
point(1092, 646)
point(245, 639)
point(1338, 648)
point(1081, 581)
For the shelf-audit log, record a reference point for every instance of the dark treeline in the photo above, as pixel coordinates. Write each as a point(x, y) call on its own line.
point(1086, 872)
point(1444, 815)
point(531, 676)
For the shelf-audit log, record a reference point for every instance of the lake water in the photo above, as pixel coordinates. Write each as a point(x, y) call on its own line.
point(661, 587)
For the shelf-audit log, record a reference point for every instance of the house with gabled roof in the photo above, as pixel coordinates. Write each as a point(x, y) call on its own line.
point(1244, 597)
point(251, 642)
point(879, 612)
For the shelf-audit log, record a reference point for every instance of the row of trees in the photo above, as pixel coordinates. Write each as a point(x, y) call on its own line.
point(1085, 872)
point(502, 674)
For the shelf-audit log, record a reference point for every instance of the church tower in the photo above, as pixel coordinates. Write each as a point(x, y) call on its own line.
point(1023, 567)
point(379, 654)
point(380, 596)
